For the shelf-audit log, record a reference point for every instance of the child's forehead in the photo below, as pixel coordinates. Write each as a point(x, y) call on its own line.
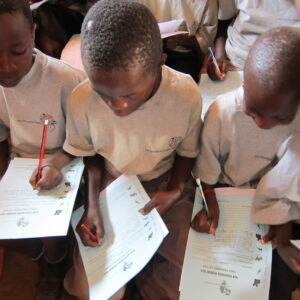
point(13, 26)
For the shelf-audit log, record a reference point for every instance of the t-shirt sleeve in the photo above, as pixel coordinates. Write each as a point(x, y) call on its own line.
point(207, 29)
point(189, 147)
point(277, 200)
point(75, 77)
point(208, 166)
point(227, 9)
point(78, 141)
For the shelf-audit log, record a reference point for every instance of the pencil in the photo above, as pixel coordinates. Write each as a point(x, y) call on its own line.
point(204, 200)
point(42, 151)
point(214, 60)
point(89, 233)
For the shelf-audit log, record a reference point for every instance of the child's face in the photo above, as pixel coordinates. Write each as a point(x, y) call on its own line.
point(269, 110)
point(16, 44)
point(124, 92)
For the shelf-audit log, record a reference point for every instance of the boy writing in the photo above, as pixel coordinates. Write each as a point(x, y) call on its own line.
point(32, 87)
point(244, 129)
point(134, 116)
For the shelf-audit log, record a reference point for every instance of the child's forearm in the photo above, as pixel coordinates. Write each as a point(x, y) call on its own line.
point(59, 159)
point(220, 39)
point(4, 155)
point(181, 170)
point(93, 176)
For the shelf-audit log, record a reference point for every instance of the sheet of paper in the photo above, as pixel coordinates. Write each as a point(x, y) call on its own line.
point(130, 238)
point(234, 265)
point(296, 243)
point(170, 28)
point(27, 213)
point(210, 90)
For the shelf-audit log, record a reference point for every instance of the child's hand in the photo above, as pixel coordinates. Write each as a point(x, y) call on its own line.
point(200, 221)
point(93, 220)
point(269, 237)
point(213, 73)
point(162, 201)
point(50, 178)
point(291, 255)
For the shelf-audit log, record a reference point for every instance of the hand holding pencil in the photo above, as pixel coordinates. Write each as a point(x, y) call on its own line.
point(90, 228)
point(216, 68)
point(42, 178)
point(207, 219)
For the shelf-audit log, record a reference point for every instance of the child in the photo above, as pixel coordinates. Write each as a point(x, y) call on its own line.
point(276, 203)
point(32, 87)
point(134, 116)
point(244, 129)
point(241, 22)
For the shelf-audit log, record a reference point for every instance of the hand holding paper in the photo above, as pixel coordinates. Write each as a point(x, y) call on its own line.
point(162, 201)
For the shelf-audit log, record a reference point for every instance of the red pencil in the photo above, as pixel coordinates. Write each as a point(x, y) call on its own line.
point(88, 232)
point(42, 151)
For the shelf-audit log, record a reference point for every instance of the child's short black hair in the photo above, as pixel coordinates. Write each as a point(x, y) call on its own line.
point(118, 34)
point(14, 6)
point(274, 60)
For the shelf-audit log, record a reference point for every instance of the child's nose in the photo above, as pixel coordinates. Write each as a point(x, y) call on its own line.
point(119, 103)
point(263, 123)
point(6, 62)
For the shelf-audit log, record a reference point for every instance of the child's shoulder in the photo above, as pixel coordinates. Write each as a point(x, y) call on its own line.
point(83, 95)
point(180, 85)
point(58, 69)
point(228, 104)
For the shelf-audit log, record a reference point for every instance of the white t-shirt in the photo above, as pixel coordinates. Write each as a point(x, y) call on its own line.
point(277, 197)
point(145, 142)
point(234, 150)
point(201, 17)
point(253, 17)
point(42, 92)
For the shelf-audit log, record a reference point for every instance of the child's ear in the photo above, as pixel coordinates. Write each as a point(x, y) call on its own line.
point(33, 33)
point(163, 59)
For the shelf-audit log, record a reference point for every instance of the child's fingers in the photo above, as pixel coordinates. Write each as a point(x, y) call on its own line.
point(268, 237)
point(200, 222)
point(149, 206)
point(33, 178)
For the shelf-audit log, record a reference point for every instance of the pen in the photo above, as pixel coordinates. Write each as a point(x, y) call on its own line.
point(214, 60)
point(42, 151)
point(88, 232)
point(204, 200)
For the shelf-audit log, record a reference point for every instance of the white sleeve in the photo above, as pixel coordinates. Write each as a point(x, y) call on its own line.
point(78, 141)
point(277, 197)
point(208, 166)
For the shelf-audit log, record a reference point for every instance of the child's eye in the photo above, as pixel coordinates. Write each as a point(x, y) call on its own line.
point(18, 53)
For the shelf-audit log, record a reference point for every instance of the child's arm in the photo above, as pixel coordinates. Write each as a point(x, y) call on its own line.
point(200, 221)
point(282, 234)
point(51, 174)
point(164, 200)
point(4, 154)
point(220, 53)
point(92, 215)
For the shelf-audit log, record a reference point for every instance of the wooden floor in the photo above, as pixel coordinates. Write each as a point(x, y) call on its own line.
point(19, 278)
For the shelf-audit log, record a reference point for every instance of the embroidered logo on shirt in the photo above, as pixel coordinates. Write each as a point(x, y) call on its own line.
point(51, 123)
point(171, 144)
